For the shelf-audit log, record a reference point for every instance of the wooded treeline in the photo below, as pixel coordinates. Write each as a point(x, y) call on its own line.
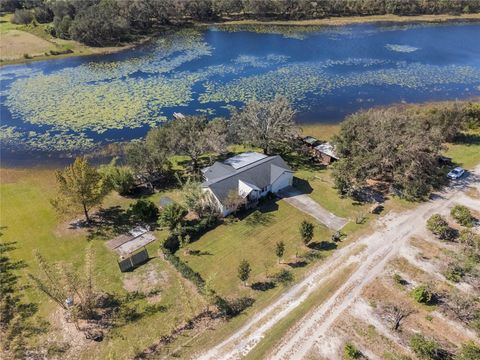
point(109, 22)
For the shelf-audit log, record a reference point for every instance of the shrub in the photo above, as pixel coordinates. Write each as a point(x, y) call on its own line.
point(439, 227)
point(454, 272)
point(468, 351)
point(397, 279)
point(462, 215)
point(232, 308)
point(258, 218)
point(425, 349)
point(172, 215)
point(283, 277)
point(22, 17)
point(186, 271)
point(350, 352)
point(469, 238)
point(118, 178)
point(143, 211)
point(422, 294)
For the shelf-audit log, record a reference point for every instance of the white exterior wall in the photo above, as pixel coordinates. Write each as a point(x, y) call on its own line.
point(283, 181)
point(243, 189)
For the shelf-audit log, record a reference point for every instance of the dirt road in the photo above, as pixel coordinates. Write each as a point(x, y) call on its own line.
point(376, 250)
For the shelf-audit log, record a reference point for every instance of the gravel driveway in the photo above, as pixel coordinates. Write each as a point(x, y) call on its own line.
point(309, 206)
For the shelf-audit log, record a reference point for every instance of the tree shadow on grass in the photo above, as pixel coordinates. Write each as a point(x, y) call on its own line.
point(322, 245)
point(302, 161)
point(297, 264)
point(263, 285)
point(109, 222)
point(467, 139)
point(199, 252)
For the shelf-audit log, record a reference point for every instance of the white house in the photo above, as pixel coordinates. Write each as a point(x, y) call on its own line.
point(250, 175)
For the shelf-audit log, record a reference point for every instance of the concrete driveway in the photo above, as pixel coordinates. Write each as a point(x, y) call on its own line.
point(305, 203)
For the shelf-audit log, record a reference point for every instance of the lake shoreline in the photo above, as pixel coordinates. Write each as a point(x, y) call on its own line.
point(90, 51)
point(338, 21)
point(349, 20)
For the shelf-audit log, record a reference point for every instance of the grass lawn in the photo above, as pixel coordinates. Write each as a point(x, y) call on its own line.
point(226, 245)
point(466, 152)
point(29, 219)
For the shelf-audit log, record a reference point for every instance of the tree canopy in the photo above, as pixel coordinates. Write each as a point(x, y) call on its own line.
point(193, 136)
point(81, 187)
point(397, 145)
point(265, 124)
point(107, 22)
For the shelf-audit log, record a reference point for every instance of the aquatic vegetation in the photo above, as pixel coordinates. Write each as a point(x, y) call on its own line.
point(401, 48)
point(12, 137)
point(66, 108)
point(296, 81)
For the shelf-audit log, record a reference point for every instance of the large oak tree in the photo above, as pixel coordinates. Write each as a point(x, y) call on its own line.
point(265, 124)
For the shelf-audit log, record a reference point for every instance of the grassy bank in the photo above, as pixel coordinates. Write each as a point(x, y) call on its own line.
point(348, 20)
point(26, 43)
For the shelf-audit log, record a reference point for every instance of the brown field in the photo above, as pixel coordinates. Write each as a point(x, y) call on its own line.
point(15, 44)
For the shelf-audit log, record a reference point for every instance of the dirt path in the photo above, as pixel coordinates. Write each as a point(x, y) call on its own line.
point(393, 232)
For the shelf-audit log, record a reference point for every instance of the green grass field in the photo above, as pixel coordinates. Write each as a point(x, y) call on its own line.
point(227, 244)
point(29, 219)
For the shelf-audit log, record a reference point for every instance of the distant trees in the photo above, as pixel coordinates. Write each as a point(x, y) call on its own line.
point(199, 201)
point(107, 22)
point(265, 124)
point(22, 16)
point(81, 187)
point(306, 231)
point(149, 159)
point(100, 25)
point(244, 270)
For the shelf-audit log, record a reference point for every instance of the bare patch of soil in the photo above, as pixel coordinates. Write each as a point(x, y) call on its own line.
point(148, 279)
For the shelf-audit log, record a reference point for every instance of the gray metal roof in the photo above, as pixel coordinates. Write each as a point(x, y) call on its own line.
point(310, 140)
point(327, 149)
point(244, 159)
point(260, 173)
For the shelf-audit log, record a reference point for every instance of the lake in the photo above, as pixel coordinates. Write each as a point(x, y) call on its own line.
point(54, 109)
